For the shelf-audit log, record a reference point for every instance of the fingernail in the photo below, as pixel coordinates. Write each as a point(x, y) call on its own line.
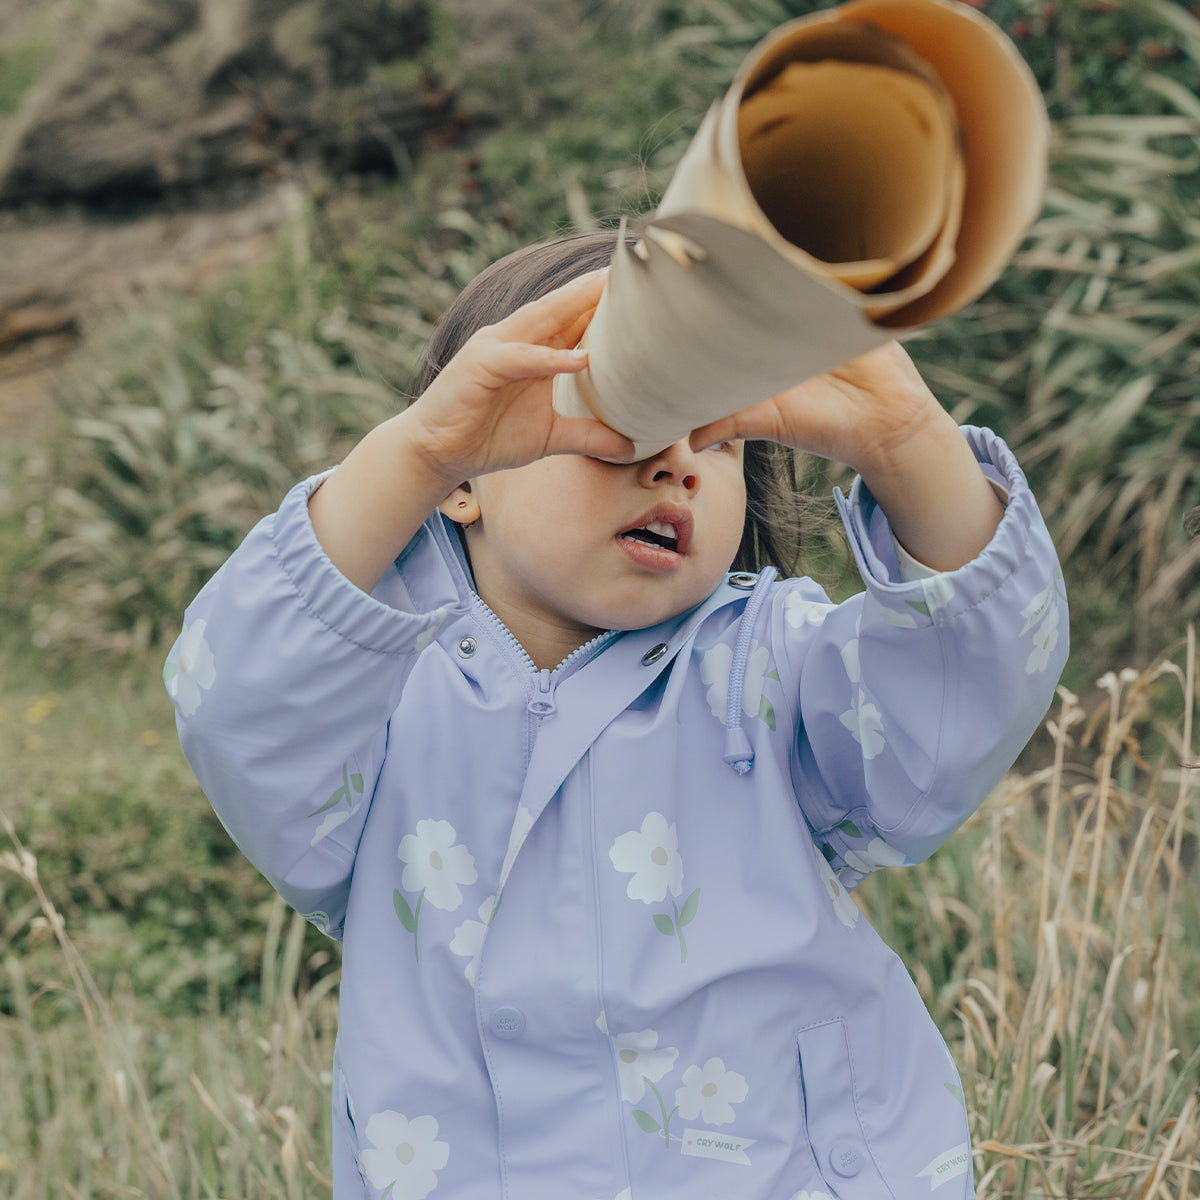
point(578, 354)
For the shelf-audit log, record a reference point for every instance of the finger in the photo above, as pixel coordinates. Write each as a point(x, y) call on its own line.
point(543, 318)
point(583, 435)
point(760, 421)
point(499, 363)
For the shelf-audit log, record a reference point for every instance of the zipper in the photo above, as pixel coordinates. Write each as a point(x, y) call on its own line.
point(544, 680)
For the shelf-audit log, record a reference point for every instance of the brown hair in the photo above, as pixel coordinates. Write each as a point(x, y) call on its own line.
point(776, 507)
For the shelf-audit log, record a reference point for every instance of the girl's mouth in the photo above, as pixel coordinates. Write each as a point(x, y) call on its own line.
point(657, 533)
point(660, 539)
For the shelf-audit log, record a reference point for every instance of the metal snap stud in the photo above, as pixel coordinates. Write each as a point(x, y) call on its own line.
point(743, 581)
point(467, 647)
point(654, 654)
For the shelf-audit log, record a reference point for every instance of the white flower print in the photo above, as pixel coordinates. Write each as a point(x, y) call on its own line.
point(1039, 607)
point(850, 661)
point(710, 1092)
point(715, 667)
point(335, 815)
point(522, 824)
point(1045, 638)
point(436, 866)
point(847, 911)
point(330, 823)
point(898, 620)
point(640, 1060)
point(468, 937)
point(428, 635)
point(798, 611)
point(938, 591)
point(194, 672)
point(877, 853)
point(651, 855)
point(626, 1194)
point(865, 723)
point(406, 1156)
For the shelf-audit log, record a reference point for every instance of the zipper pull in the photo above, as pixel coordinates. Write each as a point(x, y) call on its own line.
point(542, 704)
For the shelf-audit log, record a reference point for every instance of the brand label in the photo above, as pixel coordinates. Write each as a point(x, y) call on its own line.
point(724, 1147)
point(953, 1164)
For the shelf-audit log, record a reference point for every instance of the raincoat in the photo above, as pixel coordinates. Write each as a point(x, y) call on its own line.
point(598, 941)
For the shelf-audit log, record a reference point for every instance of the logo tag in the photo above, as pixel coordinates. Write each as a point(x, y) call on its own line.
point(724, 1147)
point(950, 1165)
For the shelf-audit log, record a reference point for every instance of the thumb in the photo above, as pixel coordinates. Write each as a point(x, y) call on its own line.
point(584, 435)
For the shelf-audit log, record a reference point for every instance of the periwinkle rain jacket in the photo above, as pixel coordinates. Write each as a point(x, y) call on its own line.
point(598, 943)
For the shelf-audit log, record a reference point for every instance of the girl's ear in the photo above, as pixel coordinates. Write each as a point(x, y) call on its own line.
point(461, 506)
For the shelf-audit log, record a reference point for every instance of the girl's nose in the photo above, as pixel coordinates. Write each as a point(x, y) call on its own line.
point(676, 464)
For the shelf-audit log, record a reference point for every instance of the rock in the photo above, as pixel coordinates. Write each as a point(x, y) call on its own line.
point(172, 98)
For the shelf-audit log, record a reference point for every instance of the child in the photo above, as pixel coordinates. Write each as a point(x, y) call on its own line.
point(583, 806)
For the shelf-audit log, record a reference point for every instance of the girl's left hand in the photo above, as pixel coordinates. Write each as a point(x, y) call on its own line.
point(877, 415)
point(864, 414)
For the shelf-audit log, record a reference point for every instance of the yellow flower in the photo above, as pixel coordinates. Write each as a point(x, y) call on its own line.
point(40, 708)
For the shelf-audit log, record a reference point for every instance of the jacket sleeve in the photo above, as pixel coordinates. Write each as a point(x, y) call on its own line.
point(917, 695)
point(284, 679)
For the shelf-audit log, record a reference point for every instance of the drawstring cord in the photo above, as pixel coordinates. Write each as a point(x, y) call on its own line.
point(738, 752)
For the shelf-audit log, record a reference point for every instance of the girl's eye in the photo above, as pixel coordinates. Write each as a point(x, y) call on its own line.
point(723, 446)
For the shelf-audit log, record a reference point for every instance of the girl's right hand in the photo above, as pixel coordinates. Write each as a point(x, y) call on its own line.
point(490, 408)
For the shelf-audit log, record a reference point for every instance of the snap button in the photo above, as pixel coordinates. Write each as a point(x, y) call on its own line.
point(467, 647)
point(654, 654)
point(743, 581)
point(845, 1158)
point(508, 1022)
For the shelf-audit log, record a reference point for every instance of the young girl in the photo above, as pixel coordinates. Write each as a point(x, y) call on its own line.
point(485, 703)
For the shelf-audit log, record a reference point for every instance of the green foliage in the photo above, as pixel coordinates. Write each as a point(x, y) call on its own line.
point(172, 458)
point(20, 65)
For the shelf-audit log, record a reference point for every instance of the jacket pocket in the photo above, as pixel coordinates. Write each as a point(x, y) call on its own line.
point(829, 1097)
point(347, 1174)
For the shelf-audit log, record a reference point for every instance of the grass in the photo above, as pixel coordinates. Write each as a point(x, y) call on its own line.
point(1056, 940)
point(166, 1027)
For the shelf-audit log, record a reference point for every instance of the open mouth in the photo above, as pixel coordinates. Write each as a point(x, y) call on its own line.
point(657, 533)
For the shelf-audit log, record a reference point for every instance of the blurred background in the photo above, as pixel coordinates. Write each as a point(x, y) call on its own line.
point(227, 228)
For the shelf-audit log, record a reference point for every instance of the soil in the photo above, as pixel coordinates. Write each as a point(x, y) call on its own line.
point(62, 272)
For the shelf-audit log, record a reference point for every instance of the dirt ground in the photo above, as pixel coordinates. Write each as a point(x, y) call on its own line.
point(60, 272)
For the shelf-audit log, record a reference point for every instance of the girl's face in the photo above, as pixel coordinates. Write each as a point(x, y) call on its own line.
point(569, 546)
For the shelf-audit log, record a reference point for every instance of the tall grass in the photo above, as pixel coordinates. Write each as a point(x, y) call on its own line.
point(1056, 940)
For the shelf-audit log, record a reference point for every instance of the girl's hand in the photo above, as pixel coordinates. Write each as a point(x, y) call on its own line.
point(866, 414)
point(876, 415)
point(490, 408)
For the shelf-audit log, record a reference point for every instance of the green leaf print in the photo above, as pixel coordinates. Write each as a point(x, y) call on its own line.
point(920, 606)
point(848, 828)
point(664, 924)
point(407, 918)
point(646, 1121)
point(688, 913)
point(773, 674)
point(170, 671)
point(342, 794)
point(828, 852)
point(956, 1092)
point(766, 714)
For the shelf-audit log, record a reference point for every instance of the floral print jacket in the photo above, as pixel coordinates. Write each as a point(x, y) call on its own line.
point(598, 943)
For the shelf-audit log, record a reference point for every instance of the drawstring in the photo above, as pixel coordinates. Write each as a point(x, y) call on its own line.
point(738, 752)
